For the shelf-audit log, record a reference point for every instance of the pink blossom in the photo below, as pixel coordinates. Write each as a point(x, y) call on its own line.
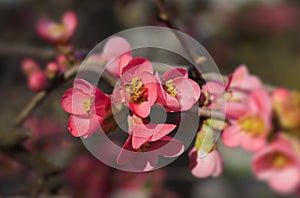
point(177, 92)
point(242, 80)
point(236, 90)
point(58, 33)
point(145, 158)
point(88, 107)
point(143, 132)
point(117, 53)
point(250, 122)
point(278, 165)
point(287, 107)
point(30, 66)
point(210, 165)
point(38, 81)
point(138, 86)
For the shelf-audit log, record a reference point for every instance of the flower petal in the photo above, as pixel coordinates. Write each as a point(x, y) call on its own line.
point(231, 136)
point(72, 101)
point(168, 147)
point(174, 73)
point(137, 66)
point(142, 110)
point(70, 21)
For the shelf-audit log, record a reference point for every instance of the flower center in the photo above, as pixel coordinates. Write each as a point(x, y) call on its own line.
point(144, 147)
point(170, 88)
point(137, 91)
point(278, 160)
point(87, 103)
point(253, 125)
point(58, 29)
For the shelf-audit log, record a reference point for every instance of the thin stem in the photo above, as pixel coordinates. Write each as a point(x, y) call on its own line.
point(164, 16)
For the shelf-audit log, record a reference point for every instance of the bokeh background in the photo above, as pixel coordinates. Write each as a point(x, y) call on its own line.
point(263, 34)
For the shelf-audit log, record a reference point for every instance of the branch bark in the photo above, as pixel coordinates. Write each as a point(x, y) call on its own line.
point(164, 16)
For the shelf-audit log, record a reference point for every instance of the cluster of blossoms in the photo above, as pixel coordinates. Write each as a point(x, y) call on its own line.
point(266, 124)
point(139, 89)
point(60, 35)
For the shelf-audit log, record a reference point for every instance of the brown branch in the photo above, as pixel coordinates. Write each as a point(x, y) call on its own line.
point(25, 50)
point(164, 16)
point(39, 97)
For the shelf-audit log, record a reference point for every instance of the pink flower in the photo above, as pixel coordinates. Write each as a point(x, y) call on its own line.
point(287, 107)
point(205, 159)
point(177, 92)
point(237, 88)
point(242, 80)
point(210, 165)
point(145, 158)
point(250, 122)
point(117, 53)
point(30, 66)
point(138, 87)
point(145, 132)
point(58, 33)
point(278, 165)
point(88, 105)
point(38, 81)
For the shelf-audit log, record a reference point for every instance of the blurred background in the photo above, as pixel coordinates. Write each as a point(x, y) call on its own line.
point(263, 34)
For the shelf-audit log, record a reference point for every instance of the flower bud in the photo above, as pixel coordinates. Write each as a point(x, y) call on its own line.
point(52, 69)
point(38, 82)
point(29, 66)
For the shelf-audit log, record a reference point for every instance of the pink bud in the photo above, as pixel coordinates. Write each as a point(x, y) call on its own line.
point(29, 66)
point(52, 69)
point(38, 82)
point(62, 63)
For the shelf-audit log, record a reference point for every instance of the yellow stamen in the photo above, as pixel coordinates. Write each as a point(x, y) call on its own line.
point(59, 28)
point(170, 88)
point(87, 103)
point(278, 160)
point(253, 125)
point(137, 91)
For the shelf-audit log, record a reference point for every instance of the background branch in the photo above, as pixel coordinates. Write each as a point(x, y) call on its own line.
point(164, 16)
point(26, 50)
point(39, 97)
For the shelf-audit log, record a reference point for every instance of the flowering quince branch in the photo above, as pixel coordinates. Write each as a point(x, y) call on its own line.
point(264, 123)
